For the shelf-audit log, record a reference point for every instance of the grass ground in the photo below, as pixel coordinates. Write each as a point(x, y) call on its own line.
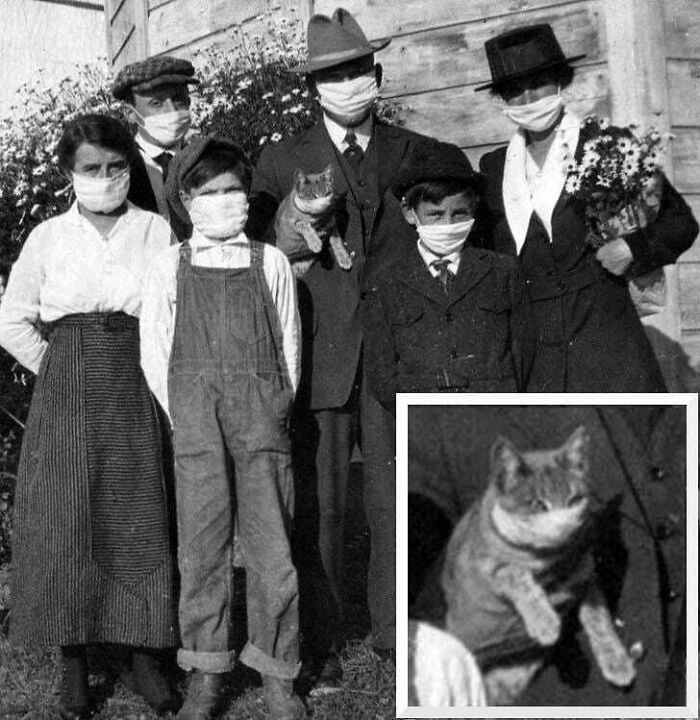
point(29, 681)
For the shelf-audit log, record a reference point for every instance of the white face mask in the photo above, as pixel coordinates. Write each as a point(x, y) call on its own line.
point(220, 216)
point(101, 195)
point(349, 99)
point(167, 129)
point(536, 116)
point(444, 239)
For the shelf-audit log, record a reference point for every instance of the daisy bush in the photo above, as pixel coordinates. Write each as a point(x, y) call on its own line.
point(617, 179)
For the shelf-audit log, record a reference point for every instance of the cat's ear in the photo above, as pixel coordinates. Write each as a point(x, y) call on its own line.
point(506, 465)
point(574, 453)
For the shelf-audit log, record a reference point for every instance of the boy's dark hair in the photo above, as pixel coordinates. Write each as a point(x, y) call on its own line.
point(435, 191)
point(217, 159)
point(101, 130)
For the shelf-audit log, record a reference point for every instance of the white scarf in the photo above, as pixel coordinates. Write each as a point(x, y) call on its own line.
point(522, 197)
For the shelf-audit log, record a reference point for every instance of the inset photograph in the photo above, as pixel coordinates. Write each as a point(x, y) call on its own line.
point(543, 557)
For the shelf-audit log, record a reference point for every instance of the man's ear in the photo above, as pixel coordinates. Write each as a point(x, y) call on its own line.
point(185, 199)
point(132, 116)
point(378, 73)
point(408, 214)
point(311, 84)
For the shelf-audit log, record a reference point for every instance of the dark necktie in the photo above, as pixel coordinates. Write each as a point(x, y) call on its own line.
point(445, 275)
point(353, 152)
point(163, 161)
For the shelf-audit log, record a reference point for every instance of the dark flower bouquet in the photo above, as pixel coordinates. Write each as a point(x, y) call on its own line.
point(617, 180)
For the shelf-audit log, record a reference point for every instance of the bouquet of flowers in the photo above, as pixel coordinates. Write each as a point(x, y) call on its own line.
point(617, 180)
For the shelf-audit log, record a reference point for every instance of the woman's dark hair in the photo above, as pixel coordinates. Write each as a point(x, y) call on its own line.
point(101, 130)
point(435, 191)
point(216, 160)
point(561, 75)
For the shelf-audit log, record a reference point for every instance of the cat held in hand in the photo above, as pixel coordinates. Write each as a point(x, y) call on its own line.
point(520, 562)
point(305, 220)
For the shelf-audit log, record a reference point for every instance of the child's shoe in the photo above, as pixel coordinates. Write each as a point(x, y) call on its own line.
point(74, 703)
point(152, 684)
point(205, 695)
point(282, 702)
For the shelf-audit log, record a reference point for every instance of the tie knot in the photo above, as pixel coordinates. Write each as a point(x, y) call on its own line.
point(351, 138)
point(441, 264)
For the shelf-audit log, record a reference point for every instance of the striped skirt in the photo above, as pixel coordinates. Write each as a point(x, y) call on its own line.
point(91, 548)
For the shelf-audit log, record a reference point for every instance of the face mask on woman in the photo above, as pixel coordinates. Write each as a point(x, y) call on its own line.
point(101, 195)
point(167, 129)
point(444, 239)
point(221, 215)
point(349, 98)
point(536, 116)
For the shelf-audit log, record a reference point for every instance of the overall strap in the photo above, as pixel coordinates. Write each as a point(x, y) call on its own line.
point(257, 250)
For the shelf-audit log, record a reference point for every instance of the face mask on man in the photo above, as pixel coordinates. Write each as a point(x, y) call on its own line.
point(167, 129)
point(443, 239)
point(349, 98)
point(221, 215)
point(536, 116)
point(101, 195)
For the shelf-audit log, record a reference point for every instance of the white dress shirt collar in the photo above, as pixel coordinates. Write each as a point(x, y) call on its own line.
point(430, 257)
point(151, 149)
point(337, 132)
point(74, 215)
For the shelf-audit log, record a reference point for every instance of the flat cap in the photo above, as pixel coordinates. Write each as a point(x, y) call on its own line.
point(436, 161)
point(150, 73)
point(185, 160)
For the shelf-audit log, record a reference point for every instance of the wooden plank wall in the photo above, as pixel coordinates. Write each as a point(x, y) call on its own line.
point(682, 33)
point(127, 30)
point(437, 58)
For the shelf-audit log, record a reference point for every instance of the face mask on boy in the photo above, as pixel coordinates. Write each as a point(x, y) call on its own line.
point(536, 116)
point(348, 98)
point(101, 195)
point(444, 239)
point(167, 129)
point(221, 215)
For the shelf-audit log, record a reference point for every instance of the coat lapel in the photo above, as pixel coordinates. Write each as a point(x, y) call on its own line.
point(417, 276)
point(390, 146)
point(470, 273)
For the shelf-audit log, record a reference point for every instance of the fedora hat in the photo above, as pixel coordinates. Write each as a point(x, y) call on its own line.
point(521, 52)
point(336, 40)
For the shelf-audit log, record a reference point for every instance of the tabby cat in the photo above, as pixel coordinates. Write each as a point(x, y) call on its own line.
point(306, 218)
point(520, 561)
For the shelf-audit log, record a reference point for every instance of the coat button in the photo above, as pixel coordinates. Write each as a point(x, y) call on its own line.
point(561, 285)
point(658, 474)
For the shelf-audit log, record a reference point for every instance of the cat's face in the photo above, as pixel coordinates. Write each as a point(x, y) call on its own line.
point(310, 186)
point(542, 497)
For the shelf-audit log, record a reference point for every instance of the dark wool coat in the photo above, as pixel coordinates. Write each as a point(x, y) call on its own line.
point(367, 217)
point(585, 320)
point(638, 477)
point(418, 339)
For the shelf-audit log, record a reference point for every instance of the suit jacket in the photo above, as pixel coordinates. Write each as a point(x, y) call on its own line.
point(141, 194)
point(585, 319)
point(329, 297)
point(418, 339)
point(638, 477)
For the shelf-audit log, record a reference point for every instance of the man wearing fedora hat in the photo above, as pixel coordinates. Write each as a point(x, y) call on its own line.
point(156, 89)
point(333, 408)
point(584, 316)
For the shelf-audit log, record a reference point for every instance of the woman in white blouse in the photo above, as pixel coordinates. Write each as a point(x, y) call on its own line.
point(91, 548)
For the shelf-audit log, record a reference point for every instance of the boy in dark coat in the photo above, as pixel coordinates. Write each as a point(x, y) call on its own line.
point(443, 315)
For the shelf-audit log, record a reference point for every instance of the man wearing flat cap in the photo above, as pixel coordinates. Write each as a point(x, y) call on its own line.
point(334, 409)
point(157, 91)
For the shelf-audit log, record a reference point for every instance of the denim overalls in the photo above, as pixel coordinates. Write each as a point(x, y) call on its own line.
point(230, 398)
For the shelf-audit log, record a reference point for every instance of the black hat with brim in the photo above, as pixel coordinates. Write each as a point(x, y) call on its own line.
point(153, 72)
point(522, 52)
point(334, 41)
point(436, 161)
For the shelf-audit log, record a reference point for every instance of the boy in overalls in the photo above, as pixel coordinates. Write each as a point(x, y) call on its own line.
point(220, 350)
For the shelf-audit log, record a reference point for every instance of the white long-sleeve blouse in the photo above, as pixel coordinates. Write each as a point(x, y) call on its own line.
point(67, 266)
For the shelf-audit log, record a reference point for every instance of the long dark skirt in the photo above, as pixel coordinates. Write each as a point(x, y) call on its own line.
point(91, 549)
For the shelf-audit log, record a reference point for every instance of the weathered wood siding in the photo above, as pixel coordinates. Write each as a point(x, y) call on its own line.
point(682, 40)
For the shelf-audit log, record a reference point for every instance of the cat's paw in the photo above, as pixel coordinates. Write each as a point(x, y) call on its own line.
point(340, 252)
point(301, 267)
point(544, 627)
point(311, 237)
point(618, 668)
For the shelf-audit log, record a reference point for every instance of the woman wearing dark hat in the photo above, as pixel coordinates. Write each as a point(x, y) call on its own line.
point(590, 338)
point(91, 547)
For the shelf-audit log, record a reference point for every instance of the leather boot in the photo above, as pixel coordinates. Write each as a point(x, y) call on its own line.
point(152, 684)
point(74, 703)
point(282, 702)
point(205, 696)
